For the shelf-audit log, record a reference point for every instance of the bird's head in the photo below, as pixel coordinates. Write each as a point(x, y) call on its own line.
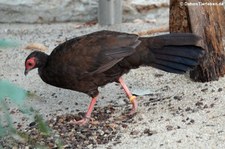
point(36, 59)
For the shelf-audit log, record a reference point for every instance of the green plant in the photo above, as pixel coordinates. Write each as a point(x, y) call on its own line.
point(17, 96)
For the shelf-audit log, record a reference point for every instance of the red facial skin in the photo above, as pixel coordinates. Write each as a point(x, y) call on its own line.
point(30, 64)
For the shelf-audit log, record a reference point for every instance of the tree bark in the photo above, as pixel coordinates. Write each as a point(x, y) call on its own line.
point(208, 22)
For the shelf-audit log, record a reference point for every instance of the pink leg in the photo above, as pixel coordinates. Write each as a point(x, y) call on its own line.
point(130, 96)
point(88, 114)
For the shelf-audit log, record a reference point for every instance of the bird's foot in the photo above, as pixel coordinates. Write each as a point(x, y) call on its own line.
point(132, 112)
point(81, 122)
point(133, 100)
point(87, 117)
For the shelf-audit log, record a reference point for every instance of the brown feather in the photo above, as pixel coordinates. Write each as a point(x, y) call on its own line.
point(87, 62)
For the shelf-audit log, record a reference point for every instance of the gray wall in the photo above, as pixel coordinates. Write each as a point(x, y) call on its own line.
point(43, 11)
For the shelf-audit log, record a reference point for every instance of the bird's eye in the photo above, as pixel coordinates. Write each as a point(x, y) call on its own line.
point(29, 64)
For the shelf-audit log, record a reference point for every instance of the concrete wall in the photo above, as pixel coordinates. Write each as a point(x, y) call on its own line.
point(42, 11)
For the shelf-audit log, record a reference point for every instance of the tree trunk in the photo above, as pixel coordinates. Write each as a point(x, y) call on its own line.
point(208, 22)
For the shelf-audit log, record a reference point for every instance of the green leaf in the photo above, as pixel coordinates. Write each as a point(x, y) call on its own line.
point(42, 126)
point(15, 93)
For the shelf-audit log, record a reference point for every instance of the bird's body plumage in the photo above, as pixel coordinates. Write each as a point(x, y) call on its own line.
point(87, 62)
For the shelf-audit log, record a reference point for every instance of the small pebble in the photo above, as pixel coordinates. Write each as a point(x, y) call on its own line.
point(32, 124)
point(169, 127)
point(212, 105)
point(149, 132)
point(188, 109)
point(135, 132)
point(220, 89)
point(204, 90)
point(199, 103)
point(178, 98)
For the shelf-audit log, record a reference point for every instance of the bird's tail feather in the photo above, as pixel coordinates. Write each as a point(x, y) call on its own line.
point(174, 53)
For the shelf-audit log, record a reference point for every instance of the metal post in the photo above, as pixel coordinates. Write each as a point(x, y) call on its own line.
point(109, 12)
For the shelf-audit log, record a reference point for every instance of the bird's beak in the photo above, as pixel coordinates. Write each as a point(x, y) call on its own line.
point(26, 72)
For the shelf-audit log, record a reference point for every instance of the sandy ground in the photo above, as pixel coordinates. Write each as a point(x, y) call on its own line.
point(180, 113)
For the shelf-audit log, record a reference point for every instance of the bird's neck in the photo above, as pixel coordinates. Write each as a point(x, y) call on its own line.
point(42, 60)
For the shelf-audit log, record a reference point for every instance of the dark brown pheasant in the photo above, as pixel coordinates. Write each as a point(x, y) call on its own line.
point(85, 63)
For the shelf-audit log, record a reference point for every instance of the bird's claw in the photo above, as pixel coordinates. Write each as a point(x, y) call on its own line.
point(132, 112)
point(134, 107)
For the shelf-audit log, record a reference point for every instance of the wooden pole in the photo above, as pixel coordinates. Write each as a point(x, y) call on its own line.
point(205, 20)
point(110, 12)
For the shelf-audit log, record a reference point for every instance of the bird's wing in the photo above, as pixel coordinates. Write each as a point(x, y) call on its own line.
point(95, 52)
